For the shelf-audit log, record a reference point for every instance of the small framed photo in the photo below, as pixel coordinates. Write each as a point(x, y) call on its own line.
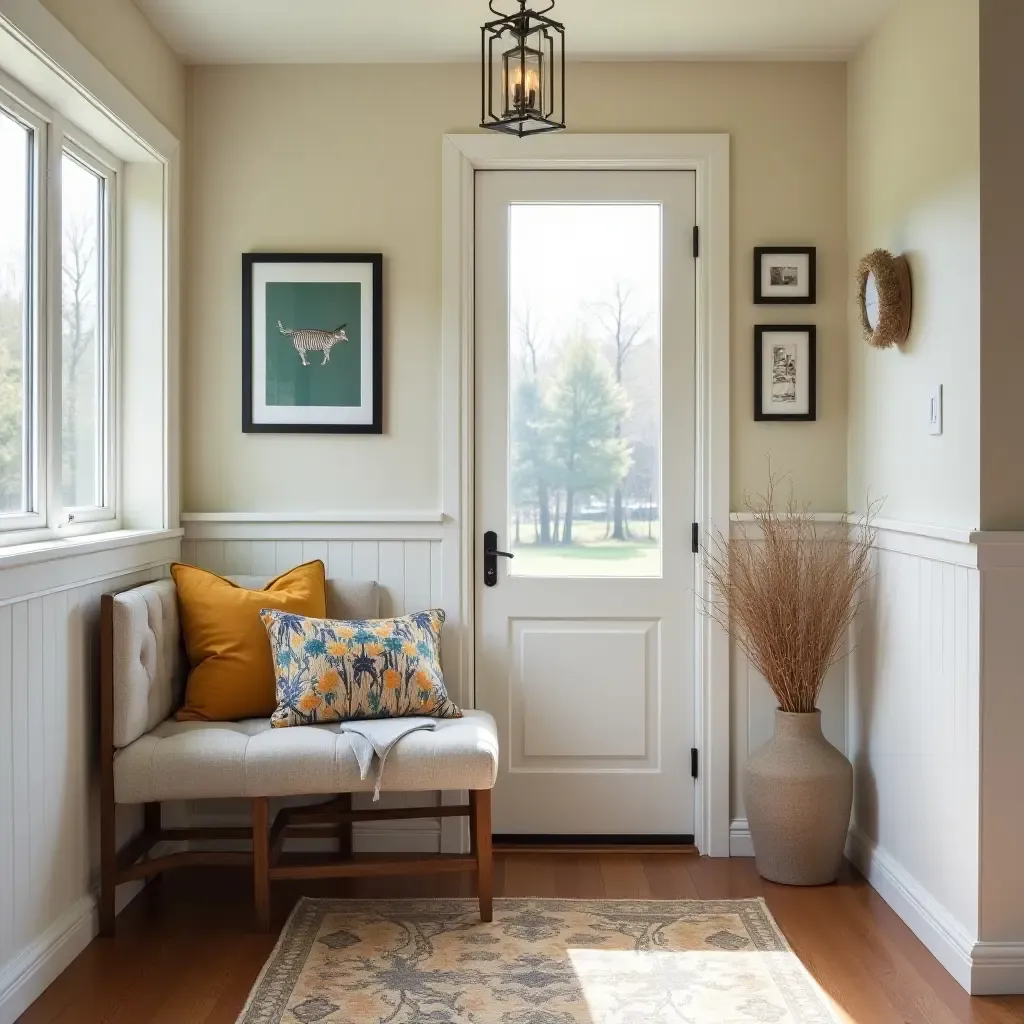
point(785, 372)
point(312, 343)
point(785, 275)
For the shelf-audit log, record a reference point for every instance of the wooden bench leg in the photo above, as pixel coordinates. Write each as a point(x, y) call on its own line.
point(152, 823)
point(345, 828)
point(261, 861)
point(480, 817)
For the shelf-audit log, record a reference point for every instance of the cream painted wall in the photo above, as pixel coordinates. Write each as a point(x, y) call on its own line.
point(348, 158)
point(119, 34)
point(914, 189)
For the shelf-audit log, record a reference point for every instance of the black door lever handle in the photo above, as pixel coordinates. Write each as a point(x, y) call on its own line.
point(491, 553)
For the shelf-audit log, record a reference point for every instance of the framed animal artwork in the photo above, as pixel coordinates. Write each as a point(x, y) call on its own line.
point(312, 343)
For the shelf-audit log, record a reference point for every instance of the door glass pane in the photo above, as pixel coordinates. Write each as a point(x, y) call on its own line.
point(15, 334)
point(82, 349)
point(585, 389)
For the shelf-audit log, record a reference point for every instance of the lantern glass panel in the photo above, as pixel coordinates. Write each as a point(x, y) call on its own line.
point(523, 77)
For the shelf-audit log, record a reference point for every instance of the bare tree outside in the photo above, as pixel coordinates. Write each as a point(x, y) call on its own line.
point(83, 196)
point(15, 143)
point(80, 369)
point(624, 334)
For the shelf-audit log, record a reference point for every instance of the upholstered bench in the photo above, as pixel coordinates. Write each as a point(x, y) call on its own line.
point(147, 757)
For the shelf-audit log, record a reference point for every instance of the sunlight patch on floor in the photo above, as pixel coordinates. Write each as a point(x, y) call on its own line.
point(710, 986)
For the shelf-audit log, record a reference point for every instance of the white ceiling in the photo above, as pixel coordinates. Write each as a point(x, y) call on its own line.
point(354, 31)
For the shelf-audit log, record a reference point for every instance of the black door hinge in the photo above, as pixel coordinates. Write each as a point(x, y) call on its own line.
point(693, 761)
point(696, 241)
point(695, 537)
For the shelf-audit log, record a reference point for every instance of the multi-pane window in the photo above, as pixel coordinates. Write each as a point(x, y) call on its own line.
point(56, 327)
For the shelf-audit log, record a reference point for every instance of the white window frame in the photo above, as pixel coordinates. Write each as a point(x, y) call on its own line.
point(107, 167)
point(48, 519)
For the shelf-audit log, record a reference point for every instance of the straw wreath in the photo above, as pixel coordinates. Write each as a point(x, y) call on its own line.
point(892, 278)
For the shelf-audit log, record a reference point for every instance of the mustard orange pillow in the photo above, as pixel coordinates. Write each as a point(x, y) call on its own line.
point(232, 671)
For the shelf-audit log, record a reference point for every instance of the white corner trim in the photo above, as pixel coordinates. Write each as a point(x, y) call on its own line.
point(998, 549)
point(708, 156)
point(740, 843)
point(945, 937)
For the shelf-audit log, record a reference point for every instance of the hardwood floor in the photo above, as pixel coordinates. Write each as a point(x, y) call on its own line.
point(185, 951)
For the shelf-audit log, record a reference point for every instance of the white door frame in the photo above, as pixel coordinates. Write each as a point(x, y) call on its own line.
point(708, 157)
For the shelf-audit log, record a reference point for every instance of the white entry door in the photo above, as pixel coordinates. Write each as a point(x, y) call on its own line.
point(584, 441)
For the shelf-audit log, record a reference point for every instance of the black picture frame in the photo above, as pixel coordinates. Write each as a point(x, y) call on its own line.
point(376, 261)
point(761, 331)
point(810, 251)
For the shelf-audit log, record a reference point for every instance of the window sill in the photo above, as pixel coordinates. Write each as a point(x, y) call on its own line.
point(18, 555)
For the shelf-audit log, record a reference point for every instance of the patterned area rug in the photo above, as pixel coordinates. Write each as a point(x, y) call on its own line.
point(539, 962)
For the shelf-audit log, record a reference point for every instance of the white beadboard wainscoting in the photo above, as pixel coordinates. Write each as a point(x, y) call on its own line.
point(49, 779)
point(929, 707)
point(934, 715)
point(403, 554)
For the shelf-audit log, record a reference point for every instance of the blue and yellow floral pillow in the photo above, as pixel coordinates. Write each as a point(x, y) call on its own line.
point(331, 671)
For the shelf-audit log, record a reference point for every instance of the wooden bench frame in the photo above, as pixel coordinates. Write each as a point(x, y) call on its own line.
point(334, 819)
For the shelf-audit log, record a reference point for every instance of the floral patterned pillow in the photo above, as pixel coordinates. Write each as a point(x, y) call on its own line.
point(331, 671)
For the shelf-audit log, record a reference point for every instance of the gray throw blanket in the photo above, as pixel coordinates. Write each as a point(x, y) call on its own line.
point(377, 736)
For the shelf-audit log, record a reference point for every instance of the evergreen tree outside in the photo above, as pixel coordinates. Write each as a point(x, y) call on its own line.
point(584, 406)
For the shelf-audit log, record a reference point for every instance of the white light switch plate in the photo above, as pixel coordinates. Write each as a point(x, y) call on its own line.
point(935, 410)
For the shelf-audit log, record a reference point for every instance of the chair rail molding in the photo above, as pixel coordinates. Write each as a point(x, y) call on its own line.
point(312, 526)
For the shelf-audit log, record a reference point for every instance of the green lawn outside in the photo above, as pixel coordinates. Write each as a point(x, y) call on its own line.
point(590, 554)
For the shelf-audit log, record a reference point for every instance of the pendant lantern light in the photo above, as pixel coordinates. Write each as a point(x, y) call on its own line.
point(522, 58)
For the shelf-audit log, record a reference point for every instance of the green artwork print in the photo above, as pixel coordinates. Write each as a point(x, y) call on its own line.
point(313, 343)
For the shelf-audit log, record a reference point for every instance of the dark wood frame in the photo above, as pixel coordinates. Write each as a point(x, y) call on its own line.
point(812, 374)
point(784, 300)
point(134, 861)
point(376, 259)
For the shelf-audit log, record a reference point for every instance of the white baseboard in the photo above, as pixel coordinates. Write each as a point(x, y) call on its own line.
point(946, 939)
point(740, 843)
point(25, 978)
point(997, 969)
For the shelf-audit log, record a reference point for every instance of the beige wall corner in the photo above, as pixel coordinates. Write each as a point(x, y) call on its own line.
point(914, 189)
point(120, 36)
point(1002, 259)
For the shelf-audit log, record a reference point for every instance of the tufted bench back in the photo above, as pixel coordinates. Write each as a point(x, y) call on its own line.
point(148, 662)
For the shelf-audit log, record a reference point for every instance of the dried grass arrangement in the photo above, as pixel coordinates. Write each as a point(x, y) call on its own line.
point(787, 591)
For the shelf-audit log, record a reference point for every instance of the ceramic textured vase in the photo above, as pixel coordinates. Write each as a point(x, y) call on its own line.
point(798, 790)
